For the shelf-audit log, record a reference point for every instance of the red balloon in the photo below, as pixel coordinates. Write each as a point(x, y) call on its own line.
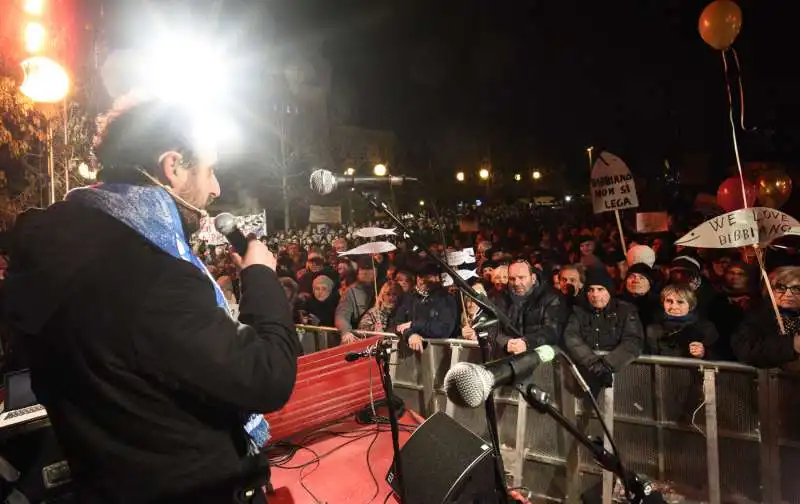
point(729, 194)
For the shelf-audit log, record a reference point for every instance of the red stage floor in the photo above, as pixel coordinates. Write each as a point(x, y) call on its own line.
point(342, 474)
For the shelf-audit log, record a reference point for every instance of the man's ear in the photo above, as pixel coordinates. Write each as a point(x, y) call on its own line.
point(170, 170)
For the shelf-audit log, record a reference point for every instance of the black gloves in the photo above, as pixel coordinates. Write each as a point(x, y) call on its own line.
point(602, 372)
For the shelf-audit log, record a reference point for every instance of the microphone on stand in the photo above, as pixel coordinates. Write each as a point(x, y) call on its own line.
point(324, 182)
point(364, 354)
point(226, 226)
point(469, 385)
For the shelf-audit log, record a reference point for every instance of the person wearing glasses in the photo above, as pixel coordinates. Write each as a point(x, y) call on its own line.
point(758, 340)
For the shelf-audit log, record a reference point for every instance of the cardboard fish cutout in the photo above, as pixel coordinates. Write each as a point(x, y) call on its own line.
point(371, 248)
point(740, 228)
point(372, 232)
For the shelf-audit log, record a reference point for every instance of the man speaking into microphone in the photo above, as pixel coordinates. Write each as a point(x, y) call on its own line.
point(153, 390)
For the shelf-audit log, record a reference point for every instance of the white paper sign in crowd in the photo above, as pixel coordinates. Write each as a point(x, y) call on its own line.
point(740, 228)
point(249, 224)
point(465, 258)
point(652, 222)
point(612, 184)
point(325, 214)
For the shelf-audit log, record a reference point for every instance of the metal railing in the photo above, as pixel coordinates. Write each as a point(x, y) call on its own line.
point(702, 430)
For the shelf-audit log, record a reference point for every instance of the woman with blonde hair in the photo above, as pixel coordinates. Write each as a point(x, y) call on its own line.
point(470, 314)
point(758, 340)
point(377, 317)
point(679, 330)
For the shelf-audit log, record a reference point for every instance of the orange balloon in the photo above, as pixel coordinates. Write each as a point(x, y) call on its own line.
point(720, 23)
point(774, 188)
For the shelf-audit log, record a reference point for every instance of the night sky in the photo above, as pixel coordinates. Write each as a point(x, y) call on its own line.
point(536, 82)
point(539, 81)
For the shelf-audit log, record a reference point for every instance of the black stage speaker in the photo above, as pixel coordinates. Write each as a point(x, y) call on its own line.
point(34, 451)
point(445, 463)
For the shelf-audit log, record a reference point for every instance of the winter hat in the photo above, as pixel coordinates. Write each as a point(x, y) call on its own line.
point(644, 270)
point(689, 263)
point(365, 263)
point(641, 254)
point(428, 268)
point(599, 276)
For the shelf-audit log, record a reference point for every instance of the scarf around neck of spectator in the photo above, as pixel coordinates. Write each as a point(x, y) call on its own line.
point(791, 321)
point(152, 212)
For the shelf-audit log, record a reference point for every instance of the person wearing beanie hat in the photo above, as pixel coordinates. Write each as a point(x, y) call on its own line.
point(430, 311)
point(603, 324)
point(687, 269)
point(641, 254)
point(641, 290)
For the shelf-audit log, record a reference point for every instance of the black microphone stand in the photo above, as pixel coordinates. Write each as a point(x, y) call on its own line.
point(463, 286)
point(382, 351)
point(635, 489)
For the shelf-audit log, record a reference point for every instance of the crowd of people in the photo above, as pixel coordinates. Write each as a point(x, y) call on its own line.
point(563, 284)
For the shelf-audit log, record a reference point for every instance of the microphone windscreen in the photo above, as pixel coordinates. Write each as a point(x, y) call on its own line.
point(468, 385)
point(322, 182)
point(546, 353)
point(225, 223)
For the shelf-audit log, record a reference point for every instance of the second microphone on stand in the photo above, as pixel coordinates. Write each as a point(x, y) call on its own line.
point(324, 182)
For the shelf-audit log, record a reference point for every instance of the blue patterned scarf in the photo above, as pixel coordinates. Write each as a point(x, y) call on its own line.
point(152, 212)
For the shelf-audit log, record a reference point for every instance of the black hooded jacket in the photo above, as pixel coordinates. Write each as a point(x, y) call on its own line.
point(146, 380)
point(540, 317)
point(615, 329)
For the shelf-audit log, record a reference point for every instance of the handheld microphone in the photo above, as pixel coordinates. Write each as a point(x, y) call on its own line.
point(324, 182)
point(226, 226)
point(469, 385)
point(364, 354)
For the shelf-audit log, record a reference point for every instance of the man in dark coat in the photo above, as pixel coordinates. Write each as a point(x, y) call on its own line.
point(154, 392)
point(534, 307)
point(429, 311)
point(603, 324)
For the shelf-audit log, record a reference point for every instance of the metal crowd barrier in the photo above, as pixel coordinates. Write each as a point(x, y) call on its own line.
point(700, 430)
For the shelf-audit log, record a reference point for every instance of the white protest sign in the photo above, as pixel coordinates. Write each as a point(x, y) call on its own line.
point(248, 224)
point(325, 214)
point(652, 222)
point(748, 226)
point(612, 185)
point(459, 257)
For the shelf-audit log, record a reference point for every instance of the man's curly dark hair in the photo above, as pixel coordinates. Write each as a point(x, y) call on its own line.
point(134, 134)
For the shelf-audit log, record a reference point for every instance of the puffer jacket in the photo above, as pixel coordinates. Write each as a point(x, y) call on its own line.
point(615, 329)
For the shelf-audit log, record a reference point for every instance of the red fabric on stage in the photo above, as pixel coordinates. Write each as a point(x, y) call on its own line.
point(343, 475)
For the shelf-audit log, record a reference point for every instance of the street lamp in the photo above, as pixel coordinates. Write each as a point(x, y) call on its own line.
point(567, 198)
point(537, 175)
point(34, 7)
point(46, 81)
point(483, 174)
point(380, 170)
point(86, 172)
point(350, 172)
point(35, 36)
point(460, 176)
point(589, 153)
point(517, 177)
point(421, 202)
